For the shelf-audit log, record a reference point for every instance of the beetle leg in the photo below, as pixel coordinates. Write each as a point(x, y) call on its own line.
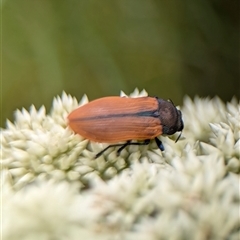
point(105, 149)
point(122, 146)
point(146, 142)
point(159, 144)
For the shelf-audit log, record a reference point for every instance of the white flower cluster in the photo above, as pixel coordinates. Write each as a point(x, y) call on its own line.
point(53, 188)
point(216, 126)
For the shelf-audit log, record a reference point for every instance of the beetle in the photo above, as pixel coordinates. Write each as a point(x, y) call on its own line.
point(117, 119)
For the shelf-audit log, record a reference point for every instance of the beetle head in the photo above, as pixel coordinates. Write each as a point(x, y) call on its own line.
point(170, 117)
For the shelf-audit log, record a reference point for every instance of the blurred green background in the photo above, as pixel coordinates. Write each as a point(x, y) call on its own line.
point(169, 47)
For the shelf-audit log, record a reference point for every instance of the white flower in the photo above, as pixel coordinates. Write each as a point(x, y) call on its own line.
point(53, 188)
point(197, 115)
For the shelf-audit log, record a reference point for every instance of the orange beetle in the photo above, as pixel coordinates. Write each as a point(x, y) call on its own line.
point(117, 119)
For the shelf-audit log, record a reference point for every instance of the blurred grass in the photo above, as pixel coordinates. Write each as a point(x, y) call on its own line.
point(171, 48)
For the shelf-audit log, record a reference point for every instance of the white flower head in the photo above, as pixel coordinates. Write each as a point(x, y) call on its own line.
point(197, 115)
point(54, 188)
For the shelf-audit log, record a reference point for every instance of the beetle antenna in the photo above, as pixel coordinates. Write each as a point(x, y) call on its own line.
point(170, 100)
point(178, 137)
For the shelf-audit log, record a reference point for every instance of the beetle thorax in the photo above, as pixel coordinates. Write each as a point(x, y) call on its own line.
point(170, 117)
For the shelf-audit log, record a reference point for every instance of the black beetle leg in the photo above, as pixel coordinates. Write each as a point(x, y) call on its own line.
point(159, 144)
